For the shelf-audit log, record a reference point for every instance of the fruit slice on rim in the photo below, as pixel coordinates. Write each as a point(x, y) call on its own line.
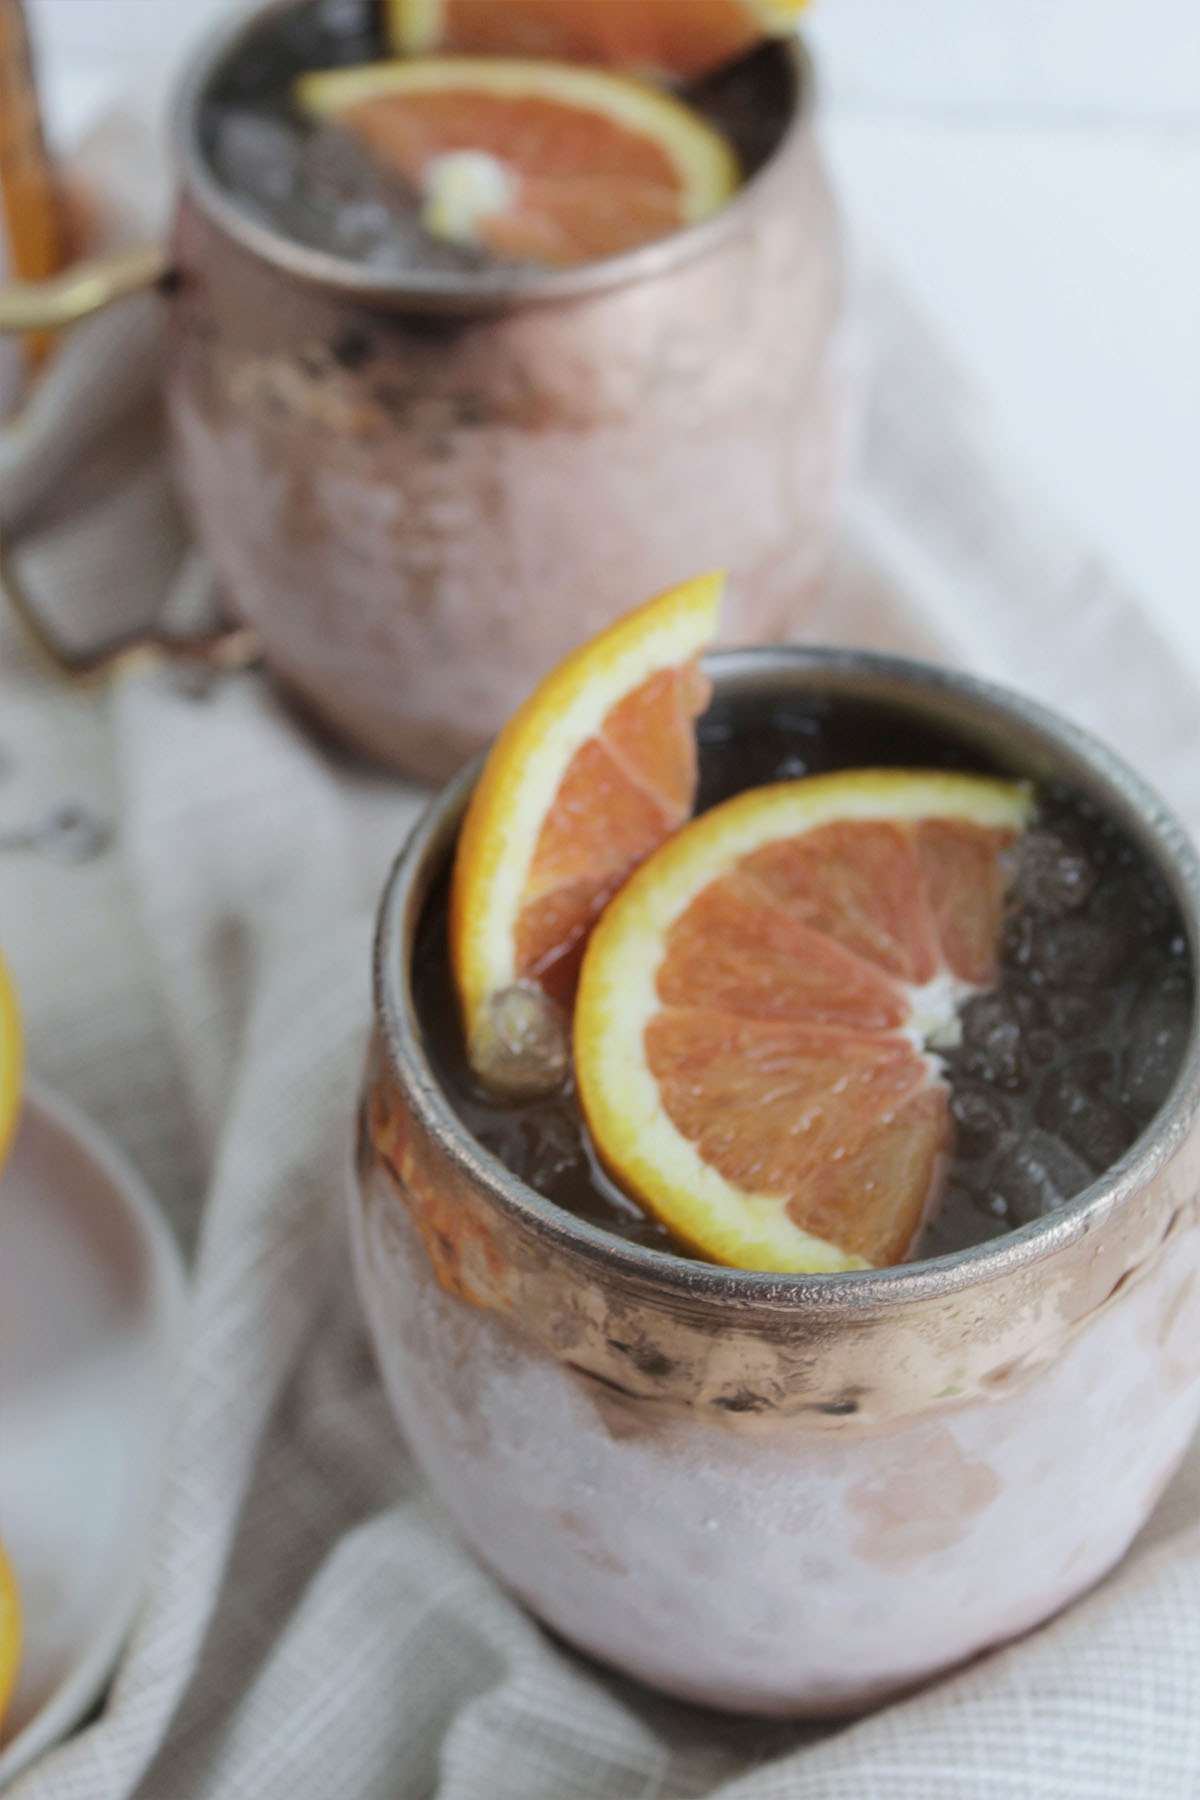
point(586, 779)
point(537, 161)
point(10, 1631)
point(679, 38)
point(10, 1061)
point(755, 1003)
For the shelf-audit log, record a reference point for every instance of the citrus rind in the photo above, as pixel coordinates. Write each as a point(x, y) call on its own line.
point(526, 766)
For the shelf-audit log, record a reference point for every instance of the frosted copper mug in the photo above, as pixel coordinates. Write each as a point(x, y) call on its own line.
point(420, 488)
point(788, 1494)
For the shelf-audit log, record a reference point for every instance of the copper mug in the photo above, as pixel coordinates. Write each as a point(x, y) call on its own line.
point(785, 1494)
point(420, 489)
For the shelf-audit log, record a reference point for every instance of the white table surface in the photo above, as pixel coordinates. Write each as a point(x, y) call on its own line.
point(1033, 168)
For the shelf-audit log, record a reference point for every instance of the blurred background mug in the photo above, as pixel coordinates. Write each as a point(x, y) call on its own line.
point(420, 487)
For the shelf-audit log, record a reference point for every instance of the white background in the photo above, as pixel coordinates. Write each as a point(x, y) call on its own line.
point(1033, 167)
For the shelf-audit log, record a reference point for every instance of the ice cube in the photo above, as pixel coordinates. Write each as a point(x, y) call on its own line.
point(1073, 1105)
point(258, 157)
point(960, 1220)
point(336, 168)
point(504, 1136)
point(992, 1028)
point(1074, 950)
point(791, 767)
point(1051, 875)
point(1134, 900)
point(1037, 1175)
point(1078, 1012)
point(520, 1045)
point(540, 1142)
point(555, 1144)
point(361, 225)
point(1157, 1037)
point(981, 1119)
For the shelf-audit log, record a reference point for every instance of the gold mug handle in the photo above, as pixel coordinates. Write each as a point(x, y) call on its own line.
point(64, 299)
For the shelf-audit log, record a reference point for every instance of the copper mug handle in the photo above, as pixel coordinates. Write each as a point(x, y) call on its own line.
point(64, 299)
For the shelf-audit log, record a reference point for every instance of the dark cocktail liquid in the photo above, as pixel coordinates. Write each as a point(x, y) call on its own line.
point(1060, 1066)
point(314, 184)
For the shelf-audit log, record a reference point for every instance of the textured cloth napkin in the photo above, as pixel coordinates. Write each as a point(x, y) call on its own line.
point(310, 1626)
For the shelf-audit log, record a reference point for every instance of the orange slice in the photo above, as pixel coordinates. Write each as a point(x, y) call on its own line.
point(596, 769)
point(10, 1631)
point(538, 161)
point(679, 38)
point(755, 1005)
point(10, 1061)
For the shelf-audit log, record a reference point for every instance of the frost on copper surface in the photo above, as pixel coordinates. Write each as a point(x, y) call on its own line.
point(802, 1569)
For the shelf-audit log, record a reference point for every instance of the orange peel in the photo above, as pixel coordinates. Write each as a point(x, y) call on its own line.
point(595, 769)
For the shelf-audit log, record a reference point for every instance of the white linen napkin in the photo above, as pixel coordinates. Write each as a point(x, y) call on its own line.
point(311, 1628)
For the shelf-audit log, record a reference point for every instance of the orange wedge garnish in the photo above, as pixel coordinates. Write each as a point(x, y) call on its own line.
point(679, 38)
point(10, 1631)
point(11, 1058)
point(755, 1007)
point(595, 770)
point(537, 161)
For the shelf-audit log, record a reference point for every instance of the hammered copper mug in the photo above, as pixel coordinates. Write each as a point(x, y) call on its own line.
point(793, 1494)
point(420, 488)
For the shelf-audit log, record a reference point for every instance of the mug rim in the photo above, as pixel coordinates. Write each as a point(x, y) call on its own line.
point(452, 290)
point(1069, 751)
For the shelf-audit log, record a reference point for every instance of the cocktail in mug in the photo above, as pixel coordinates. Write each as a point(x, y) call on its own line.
point(801, 1492)
point(423, 473)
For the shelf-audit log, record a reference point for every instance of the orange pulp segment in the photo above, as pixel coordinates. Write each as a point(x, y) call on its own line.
point(595, 769)
point(536, 161)
point(756, 1005)
point(677, 38)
